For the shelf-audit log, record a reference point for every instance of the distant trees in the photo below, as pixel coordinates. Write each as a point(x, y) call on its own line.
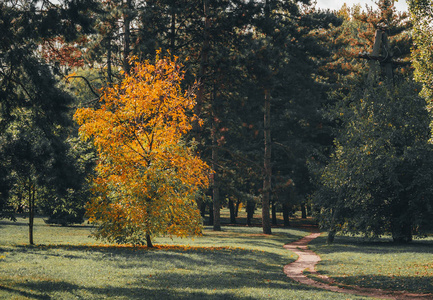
point(276, 82)
point(226, 46)
point(377, 179)
point(280, 63)
point(375, 182)
point(34, 120)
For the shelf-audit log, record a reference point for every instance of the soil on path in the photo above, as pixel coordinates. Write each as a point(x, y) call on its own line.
point(307, 260)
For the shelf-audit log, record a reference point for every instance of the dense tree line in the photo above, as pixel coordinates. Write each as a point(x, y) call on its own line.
point(291, 114)
point(374, 181)
point(35, 117)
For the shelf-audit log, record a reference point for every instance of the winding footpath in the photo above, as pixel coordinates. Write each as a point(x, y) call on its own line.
point(307, 260)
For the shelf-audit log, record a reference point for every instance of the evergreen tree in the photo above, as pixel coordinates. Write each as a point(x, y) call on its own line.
point(374, 183)
point(279, 60)
point(33, 109)
point(377, 179)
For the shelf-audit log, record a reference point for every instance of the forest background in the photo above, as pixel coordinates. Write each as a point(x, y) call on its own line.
point(294, 111)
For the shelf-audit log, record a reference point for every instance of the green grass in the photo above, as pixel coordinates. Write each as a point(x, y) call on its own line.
point(380, 264)
point(237, 263)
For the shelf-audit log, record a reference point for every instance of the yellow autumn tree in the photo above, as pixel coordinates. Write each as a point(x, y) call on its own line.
point(147, 174)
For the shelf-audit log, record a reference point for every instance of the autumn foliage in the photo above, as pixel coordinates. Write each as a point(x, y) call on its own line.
point(147, 174)
point(66, 54)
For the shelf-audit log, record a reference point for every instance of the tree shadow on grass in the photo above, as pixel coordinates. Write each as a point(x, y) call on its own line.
point(414, 284)
point(27, 294)
point(382, 246)
point(107, 253)
point(237, 238)
point(22, 223)
point(173, 274)
point(132, 258)
point(381, 249)
point(256, 239)
point(175, 288)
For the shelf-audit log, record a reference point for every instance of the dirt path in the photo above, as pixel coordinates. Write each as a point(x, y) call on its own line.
point(307, 260)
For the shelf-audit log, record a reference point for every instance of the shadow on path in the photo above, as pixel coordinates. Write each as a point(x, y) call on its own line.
point(307, 261)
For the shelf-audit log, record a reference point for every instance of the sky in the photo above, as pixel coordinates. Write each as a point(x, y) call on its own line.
point(336, 4)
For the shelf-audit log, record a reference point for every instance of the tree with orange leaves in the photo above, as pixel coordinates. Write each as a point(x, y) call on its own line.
point(147, 175)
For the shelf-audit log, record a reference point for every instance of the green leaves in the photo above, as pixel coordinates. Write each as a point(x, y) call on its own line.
point(422, 51)
point(372, 183)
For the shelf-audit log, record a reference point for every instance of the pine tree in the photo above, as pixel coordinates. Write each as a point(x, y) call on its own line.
point(374, 181)
point(279, 62)
point(33, 109)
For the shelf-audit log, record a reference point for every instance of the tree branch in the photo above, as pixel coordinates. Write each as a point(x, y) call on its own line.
point(87, 82)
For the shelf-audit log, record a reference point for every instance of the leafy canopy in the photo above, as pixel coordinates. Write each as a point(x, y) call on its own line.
point(147, 175)
point(422, 50)
point(377, 179)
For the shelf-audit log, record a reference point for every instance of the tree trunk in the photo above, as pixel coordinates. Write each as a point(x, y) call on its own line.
point(238, 202)
point(148, 241)
point(303, 211)
point(266, 222)
point(286, 213)
point(251, 207)
point(32, 196)
point(232, 212)
point(401, 223)
point(215, 161)
point(402, 232)
point(274, 213)
point(332, 230)
point(202, 207)
point(211, 214)
point(331, 236)
point(216, 200)
point(202, 70)
point(127, 35)
point(109, 61)
point(173, 30)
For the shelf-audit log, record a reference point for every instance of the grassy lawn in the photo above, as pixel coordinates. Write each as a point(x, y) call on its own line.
point(380, 264)
point(237, 263)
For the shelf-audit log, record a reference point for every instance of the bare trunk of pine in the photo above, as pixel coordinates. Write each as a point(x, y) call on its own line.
point(251, 207)
point(303, 211)
point(32, 197)
point(274, 213)
point(286, 212)
point(211, 215)
point(266, 221)
point(202, 70)
point(215, 159)
point(127, 36)
point(215, 188)
point(232, 211)
point(238, 203)
point(109, 62)
point(173, 31)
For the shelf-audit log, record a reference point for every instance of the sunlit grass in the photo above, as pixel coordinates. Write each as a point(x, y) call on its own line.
point(381, 264)
point(236, 263)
